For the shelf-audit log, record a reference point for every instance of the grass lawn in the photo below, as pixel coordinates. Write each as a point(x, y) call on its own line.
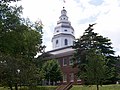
point(104, 87)
point(34, 88)
point(1, 88)
point(75, 87)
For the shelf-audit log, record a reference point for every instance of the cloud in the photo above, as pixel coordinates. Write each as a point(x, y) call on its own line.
point(96, 2)
point(81, 13)
point(106, 16)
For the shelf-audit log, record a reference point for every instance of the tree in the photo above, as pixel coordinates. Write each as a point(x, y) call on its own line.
point(52, 71)
point(19, 43)
point(117, 67)
point(92, 41)
point(95, 69)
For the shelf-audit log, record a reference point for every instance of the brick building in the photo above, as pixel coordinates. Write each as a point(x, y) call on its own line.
point(64, 55)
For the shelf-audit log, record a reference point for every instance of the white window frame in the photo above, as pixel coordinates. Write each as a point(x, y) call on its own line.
point(64, 62)
point(64, 77)
point(70, 61)
point(71, 77)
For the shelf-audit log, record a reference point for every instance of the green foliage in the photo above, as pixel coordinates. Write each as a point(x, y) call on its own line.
point(94, 56)
point(91, 40)
point(33, 88)
point(95, 68)
point(6, 1)
point(104, 87)
point(19, 43)
point(52, 71)
point(118, 68)
point(43, 88)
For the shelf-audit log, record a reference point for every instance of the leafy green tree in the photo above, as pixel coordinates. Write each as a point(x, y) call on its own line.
point(39, 62)
point(19, 43)
point(92, 41)
point(118, 68)
point(89, 40)
point(95, 69)
point(52, 71)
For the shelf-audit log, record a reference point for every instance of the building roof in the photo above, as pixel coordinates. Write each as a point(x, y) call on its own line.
point(61, 52)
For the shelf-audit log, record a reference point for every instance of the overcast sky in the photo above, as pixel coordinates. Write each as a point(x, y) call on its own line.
point(81, 13)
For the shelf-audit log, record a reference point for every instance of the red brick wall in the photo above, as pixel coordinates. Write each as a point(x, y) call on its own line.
point(68, 69)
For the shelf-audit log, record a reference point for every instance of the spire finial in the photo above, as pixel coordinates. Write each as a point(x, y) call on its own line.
point(64, 3)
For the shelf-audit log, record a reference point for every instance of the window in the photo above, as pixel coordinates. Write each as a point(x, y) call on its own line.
point(59, 63)
point(66, 42)
point(65, 30)
point(64, 77)
point(70, 61)
point(71, 77)
point(78, 78)
point(56, 41)
point(64, 62)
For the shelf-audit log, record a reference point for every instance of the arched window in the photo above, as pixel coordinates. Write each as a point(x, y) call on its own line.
point(66, 42)
point(56, 41)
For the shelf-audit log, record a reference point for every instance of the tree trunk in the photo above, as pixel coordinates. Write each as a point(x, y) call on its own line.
point(16, 87)
point(97, 87)
point(10, 87)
